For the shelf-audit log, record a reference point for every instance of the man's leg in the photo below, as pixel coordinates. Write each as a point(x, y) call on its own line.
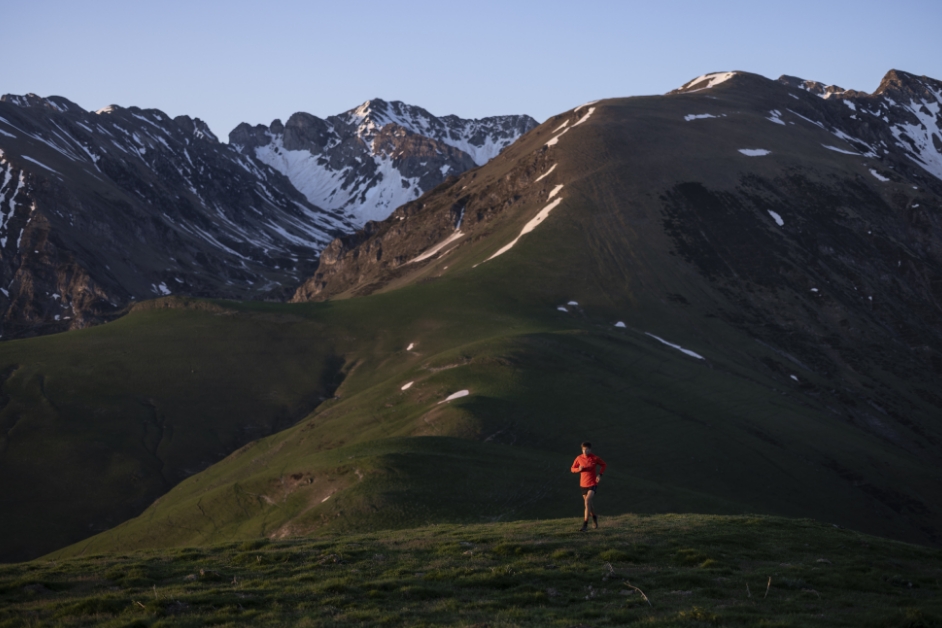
point(585, 518)
point(589, 505)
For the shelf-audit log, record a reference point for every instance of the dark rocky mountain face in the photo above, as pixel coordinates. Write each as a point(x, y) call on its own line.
point(795, 231)
point(368, 161)
point(101, 209)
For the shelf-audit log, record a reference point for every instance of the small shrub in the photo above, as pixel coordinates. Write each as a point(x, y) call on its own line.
point(253, 545)
point(689, 557)
point(616, 556)
point(699, 615)
point(508, 549)
point(92, 606)
point(563, 554)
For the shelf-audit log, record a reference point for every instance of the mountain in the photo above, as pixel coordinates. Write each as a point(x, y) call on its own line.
point(103, 208)
point(368, 161)
point(731, 290)
point(897, 130)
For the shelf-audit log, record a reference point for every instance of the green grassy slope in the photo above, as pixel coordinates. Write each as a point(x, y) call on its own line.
point(664, 570)
point(804, 404)
point(95, 425)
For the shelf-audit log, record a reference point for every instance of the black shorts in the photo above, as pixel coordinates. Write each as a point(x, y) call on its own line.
point(586, 489)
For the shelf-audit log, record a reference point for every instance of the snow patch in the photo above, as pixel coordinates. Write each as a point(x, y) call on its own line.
point(678, 347)
point(555, 140)
point(714, 79)
point(879, 176)
point(620, 324)
point(778, 219)
point(438, 247)
point(584, 105)
point(545, 174)
point(776, 117)
point(839, 150)
point(527, 228)
point(453, 396)
point(699, 116)
point(554, 191)
point(585, 117)
point(754, 152)
point(409, 348)
point(573, 303)
point(407, 386)
point(38, 163)
point(562, 308)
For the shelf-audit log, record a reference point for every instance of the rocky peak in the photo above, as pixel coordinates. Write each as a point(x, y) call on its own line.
point(57, 104)
point(905, 87)
point(813, 87)
point(246, 137)
point(306, 132)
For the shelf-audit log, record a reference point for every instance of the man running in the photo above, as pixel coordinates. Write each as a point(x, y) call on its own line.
point(588, 481)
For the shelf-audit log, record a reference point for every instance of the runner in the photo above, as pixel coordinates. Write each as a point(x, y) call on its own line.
point(588, 480)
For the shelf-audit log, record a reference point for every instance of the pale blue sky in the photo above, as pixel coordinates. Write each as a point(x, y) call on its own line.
point(229, 62)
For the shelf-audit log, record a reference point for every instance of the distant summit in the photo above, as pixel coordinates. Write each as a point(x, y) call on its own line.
point(369, 160)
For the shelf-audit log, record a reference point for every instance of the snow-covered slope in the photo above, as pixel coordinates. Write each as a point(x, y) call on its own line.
point(368, 161)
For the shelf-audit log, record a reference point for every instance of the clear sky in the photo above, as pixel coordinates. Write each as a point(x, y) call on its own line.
point(240, 61)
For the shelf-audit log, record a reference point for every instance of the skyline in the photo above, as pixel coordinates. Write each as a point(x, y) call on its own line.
point(230, 63)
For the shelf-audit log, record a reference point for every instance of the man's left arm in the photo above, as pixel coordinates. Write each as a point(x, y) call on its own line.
point(600, 463)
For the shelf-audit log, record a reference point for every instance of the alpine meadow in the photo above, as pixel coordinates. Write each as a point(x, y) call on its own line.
point(247, 406)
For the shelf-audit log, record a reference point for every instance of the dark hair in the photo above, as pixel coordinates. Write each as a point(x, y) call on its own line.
point(587, 444)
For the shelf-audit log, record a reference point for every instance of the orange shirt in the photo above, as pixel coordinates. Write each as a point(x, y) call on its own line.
point(588, 463)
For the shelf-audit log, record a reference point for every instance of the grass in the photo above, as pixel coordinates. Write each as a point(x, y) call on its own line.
point(693, 570)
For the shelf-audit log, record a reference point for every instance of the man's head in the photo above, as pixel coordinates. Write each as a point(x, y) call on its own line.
point(587, 447)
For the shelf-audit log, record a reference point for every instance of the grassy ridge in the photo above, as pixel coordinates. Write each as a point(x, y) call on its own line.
point(693, 570)
point(680, 434)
